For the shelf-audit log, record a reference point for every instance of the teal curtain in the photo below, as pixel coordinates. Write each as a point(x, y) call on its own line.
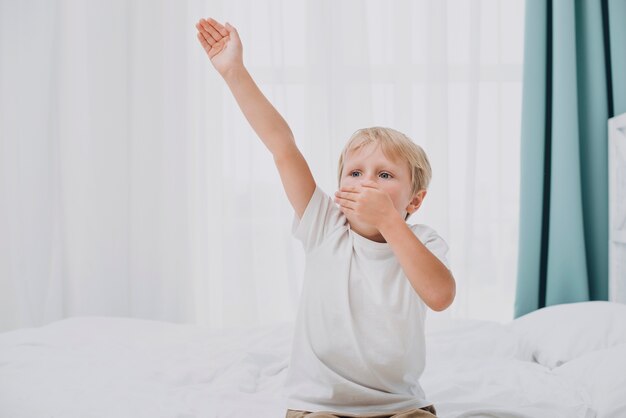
point(574, 80)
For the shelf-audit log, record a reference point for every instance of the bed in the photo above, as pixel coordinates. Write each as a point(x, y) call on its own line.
point(561, 361)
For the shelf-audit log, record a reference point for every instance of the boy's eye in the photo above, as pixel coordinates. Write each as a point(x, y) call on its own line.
point(382, 175)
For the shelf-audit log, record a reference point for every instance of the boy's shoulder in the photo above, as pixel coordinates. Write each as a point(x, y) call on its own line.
point(433, 241)
point(423, 230)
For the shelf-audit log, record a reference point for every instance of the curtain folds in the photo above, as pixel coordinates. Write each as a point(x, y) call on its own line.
point(574, 80)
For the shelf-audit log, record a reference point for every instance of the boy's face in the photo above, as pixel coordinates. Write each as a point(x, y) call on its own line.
point(392, 176)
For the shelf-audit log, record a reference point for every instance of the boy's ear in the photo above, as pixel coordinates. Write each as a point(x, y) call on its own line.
point(416, 202)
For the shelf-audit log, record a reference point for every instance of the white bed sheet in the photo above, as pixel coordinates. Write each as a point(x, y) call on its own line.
point(123, 367)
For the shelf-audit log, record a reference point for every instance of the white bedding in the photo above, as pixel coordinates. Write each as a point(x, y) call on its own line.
point(122, 367)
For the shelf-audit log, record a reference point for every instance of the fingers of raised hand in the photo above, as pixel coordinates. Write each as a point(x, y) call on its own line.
point(210, 31)
point(218, 26)
point(205, 38)
point(203, 41)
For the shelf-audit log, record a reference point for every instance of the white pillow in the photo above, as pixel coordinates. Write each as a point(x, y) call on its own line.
point(601, 375)
point(557, 334)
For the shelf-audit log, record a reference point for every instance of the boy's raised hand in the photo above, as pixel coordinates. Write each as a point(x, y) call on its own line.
point(221, 43)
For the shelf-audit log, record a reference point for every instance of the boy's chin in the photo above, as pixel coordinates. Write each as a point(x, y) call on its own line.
point(361, 226)
point(367, 231)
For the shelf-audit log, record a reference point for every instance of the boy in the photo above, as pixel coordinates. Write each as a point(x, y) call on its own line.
point(358, 347)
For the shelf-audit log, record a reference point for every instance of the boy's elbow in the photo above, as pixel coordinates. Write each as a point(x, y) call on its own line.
point(441, 305)
point(445, 298)
point(284, 149)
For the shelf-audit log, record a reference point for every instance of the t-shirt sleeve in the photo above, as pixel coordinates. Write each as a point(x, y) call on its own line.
point(320, 218)
point(438, 247)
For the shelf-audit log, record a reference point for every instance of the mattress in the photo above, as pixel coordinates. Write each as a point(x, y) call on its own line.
point(562, 361)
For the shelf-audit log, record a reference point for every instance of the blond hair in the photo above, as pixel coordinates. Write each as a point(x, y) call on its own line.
point(395, 145)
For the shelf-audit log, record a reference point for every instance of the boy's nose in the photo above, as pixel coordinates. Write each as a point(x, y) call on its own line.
point(364, 179)
point(371, 177)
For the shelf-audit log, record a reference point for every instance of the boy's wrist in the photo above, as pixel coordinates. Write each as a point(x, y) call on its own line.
point(233, 73)
point(388, 223)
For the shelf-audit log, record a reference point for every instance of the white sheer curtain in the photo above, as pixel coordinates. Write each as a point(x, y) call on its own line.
point(131, 185)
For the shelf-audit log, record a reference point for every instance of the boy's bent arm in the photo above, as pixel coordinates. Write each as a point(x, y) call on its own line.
point(428, 276)
point(223, 47)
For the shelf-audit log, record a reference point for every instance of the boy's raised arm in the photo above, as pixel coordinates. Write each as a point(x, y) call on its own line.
point(223, 47)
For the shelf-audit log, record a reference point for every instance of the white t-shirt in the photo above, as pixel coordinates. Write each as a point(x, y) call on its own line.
point(358, 344)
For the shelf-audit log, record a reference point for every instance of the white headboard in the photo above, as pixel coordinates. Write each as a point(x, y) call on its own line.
point(617, 208)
